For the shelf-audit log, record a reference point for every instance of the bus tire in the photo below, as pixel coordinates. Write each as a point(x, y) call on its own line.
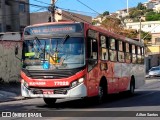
point(102, 93)
point(132, 87)
point(50, 101)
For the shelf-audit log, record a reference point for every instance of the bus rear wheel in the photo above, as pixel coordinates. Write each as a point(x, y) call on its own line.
point(50, 101)
point(132, 88)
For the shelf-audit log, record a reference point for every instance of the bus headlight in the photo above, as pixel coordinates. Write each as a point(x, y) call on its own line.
point(73, 84)
point(77, 82)
point(80, 80)
point(24, 83)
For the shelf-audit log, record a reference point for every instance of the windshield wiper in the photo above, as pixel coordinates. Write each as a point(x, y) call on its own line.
point(65, 38)
point(62, 43)
point(40, 44)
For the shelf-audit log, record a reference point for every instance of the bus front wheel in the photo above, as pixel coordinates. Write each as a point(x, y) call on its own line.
point(50, 101)
point(101, 94)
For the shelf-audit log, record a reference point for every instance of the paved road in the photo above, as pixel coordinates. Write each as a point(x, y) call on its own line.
point(145, 101)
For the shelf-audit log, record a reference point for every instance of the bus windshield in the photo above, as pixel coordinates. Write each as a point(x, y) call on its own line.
point(54, 53)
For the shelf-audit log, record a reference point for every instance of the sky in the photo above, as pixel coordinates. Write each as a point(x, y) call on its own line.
point(95, 6)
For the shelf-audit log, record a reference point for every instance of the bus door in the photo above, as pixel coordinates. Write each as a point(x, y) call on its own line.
point(93, 69)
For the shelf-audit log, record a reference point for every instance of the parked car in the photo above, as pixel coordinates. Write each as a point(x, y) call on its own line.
point(154, 71)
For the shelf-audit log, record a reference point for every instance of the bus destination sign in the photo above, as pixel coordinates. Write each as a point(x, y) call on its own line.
point(51, 29)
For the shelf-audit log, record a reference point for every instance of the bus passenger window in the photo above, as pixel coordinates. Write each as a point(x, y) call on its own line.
point(104, 50)
point(112, 44)
point(134, 49)
point(112, 51)
point(127, 48)
point(121, 50)
point(113, 55)
point(121, 56)
point(134, 58)
point(128, 57)
point(104, 55)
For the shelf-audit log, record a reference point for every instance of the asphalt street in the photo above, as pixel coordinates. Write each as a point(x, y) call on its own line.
point(116, 107)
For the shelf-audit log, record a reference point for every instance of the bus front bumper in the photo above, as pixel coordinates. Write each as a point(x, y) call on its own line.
point(76, 92)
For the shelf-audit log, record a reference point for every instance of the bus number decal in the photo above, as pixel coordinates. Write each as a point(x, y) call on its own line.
point(62, 83)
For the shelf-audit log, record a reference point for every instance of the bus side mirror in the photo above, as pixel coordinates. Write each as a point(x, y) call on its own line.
point(16, 50)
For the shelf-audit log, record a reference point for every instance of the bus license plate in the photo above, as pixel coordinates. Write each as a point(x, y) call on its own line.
point(48, 92)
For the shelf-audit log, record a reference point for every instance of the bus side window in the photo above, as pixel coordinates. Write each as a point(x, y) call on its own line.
point(112, 51)
point(103, 46)
point(92, 50)
point(139, 56)
point(134, 55)
point(127, 52)
point(120, 51)
point(142, 54)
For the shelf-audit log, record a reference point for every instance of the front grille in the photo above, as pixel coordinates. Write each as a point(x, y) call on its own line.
point(60, 91)
point(37, 91)
point(56, 91)
point(51, 74)
point(62, 87)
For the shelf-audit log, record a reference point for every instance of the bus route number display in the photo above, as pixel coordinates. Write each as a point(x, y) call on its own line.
point(48, 29)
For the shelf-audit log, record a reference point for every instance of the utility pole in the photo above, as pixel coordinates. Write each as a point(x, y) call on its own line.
point(127, 7)
point(140, 29)
point(52, 11)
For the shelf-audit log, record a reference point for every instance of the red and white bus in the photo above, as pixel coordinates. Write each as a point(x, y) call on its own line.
point(68, 59)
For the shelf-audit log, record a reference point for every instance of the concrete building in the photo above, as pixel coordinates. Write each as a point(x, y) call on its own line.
point(151, 4)
point(153, 47)
point(10, 64)
point(150, 26)
point(14, 15)
point(122, 13)
point(60, 15)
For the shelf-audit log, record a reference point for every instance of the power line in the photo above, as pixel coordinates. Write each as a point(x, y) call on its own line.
point(39, 10)
point(42, 2)
point(56, 1)
point(75, 10)
point(68, 17)
point(29, 4)
point(71, 18)
point(94, 10)
point(88, 7)
point(80, 18)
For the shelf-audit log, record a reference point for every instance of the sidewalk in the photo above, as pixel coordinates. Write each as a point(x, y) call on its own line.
point(10, 92)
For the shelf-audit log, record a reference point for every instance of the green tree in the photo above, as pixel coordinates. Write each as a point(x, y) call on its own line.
point(140, 6)
point(112, 24)
point(94, 22)
point(134, 13)
point(146, 36)
point(152, 16)
point(106, 13)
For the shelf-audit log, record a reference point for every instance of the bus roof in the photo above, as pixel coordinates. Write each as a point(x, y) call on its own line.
point(117, 36)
